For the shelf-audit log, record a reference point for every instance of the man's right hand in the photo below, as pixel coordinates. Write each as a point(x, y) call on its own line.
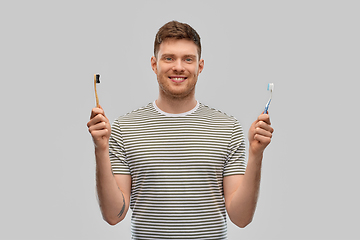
point(113, 190)
point(99, 128)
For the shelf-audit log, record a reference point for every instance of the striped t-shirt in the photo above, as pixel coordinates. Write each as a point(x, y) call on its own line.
point(177, 163)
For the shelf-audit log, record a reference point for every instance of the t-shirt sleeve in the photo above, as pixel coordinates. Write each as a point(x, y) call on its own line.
point(117, 154)
point(235, 162)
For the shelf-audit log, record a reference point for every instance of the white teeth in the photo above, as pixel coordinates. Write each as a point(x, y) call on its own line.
point(178, 79)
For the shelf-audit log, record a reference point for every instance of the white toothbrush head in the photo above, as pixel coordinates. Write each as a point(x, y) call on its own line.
point(270, 87)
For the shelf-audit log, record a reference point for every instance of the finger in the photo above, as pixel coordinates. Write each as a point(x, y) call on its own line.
point(264, 125)
point(263, 132)
point(98, 134)
point(102, 112)
point(96, 111)
point(264, 118)
point(97, 119)
point(98, 126)
point(262, 139)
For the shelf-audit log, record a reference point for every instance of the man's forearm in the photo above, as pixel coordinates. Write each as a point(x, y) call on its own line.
point(244, 200)
point(111, 199)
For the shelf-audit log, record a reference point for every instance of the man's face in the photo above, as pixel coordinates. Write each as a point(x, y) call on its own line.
point(177, 67)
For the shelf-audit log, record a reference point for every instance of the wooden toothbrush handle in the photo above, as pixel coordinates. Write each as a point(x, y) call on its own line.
point(96, 96)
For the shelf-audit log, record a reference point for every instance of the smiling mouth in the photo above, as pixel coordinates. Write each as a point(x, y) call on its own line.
point(178, 79)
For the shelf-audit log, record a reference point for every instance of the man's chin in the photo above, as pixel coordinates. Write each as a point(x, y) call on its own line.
point(179, 95)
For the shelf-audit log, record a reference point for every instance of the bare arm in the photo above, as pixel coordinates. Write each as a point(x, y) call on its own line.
point(113, 191)
point(241, 191)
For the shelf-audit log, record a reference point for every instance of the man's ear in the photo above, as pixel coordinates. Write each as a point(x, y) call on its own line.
point(201, 65)
point(154, 64)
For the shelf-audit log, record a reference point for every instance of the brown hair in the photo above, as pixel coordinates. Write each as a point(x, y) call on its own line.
point(176, 30)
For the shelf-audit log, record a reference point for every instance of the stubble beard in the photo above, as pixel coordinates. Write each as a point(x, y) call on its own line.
point(173, 95)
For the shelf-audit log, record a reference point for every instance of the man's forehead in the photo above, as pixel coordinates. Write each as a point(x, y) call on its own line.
point(178, 46)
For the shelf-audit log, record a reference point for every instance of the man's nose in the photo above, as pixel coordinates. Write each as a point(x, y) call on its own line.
point(178, 66)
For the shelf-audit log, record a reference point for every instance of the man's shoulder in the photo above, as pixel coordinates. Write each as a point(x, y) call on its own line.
point(206, 110)
point(142, 112)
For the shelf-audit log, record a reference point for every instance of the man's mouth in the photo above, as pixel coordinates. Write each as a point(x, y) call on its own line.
point(177, 79)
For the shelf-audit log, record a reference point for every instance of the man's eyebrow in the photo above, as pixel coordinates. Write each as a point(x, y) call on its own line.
point(190, 56)
point(167, 55)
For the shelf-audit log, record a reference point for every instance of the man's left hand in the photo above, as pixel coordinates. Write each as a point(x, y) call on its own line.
point(260, 134)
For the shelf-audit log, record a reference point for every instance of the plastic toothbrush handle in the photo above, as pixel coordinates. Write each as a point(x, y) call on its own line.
point(267, 107)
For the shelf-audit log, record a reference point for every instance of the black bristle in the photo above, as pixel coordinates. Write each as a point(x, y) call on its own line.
point(97, 78)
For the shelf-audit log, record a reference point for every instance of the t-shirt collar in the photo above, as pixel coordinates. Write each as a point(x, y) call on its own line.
point(176, 114)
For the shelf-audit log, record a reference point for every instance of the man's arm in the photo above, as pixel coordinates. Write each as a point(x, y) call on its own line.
point(241, 191)
point(113, 191)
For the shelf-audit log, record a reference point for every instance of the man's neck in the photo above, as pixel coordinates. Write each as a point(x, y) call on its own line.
point(176, 105)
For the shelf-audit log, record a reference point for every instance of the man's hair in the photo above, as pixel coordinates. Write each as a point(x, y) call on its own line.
point(176, 30)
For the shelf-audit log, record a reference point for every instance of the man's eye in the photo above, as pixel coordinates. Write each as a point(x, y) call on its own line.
point(168, 59)
point(188, 59)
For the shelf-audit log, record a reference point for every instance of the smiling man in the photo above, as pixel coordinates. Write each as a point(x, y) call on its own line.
point(177, 65)
point(178, 164)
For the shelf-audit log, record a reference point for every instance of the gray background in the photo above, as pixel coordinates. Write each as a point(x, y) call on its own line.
point(309, 49)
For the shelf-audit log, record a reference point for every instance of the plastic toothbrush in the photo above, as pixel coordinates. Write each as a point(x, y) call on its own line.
point(271, 89)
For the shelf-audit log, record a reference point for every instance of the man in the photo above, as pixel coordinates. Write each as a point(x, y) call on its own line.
point(182, 163)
